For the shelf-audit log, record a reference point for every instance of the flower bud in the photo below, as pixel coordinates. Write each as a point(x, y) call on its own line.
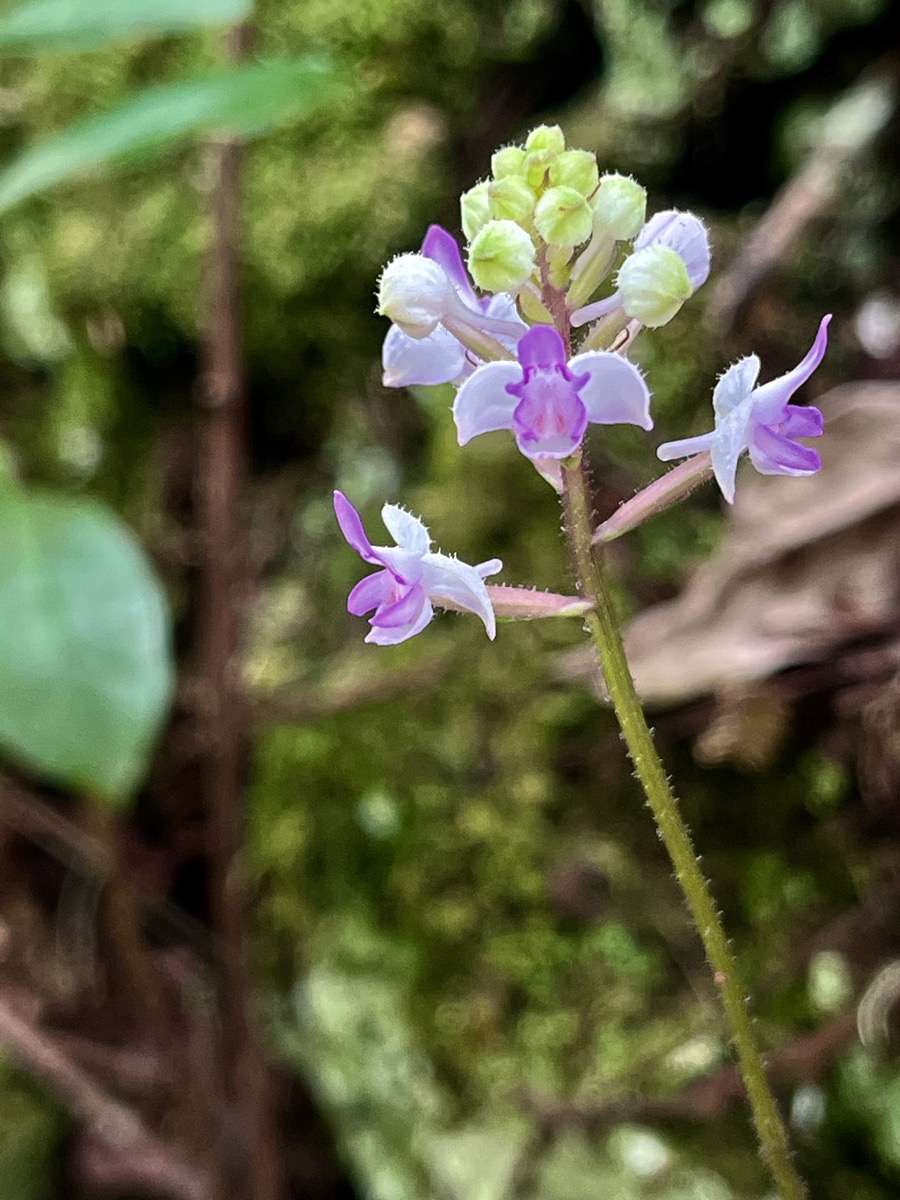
point(511, 199)
point(542, 147)
point(510, 160)
point(575, 169)
point(653, 284)
point(501, 257)
point(414, 293)
point(563, 217)
point(620, 206)
point(474, 209)
point(546, 137)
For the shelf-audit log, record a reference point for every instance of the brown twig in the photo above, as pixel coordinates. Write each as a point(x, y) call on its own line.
point(139, 1159)
point(804, 1060)
point(27, 813)
point(221, 476)
point(291, 706)
point(847, 131)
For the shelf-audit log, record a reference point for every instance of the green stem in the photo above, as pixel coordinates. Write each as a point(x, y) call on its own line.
point(603, 625)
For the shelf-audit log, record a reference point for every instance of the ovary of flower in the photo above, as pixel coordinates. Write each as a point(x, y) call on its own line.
point(759, 419)
point(548, 402)
point(440, 357)
point(412, 578)
point(679, 231)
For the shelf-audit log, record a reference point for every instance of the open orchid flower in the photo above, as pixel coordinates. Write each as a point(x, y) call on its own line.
point(548, 402)
point(759, 419)
point(440, 357)
point(681, 232)
point(412, 578)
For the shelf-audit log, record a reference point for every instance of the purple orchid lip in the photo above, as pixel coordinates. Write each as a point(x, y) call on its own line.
point(550, 419)
point(547, 401)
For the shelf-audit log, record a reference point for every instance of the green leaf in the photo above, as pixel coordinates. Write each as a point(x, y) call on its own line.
point(85, 658)
point(242, 101)
point(74, 25)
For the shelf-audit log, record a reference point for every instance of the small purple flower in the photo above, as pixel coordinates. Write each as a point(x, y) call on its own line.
point(440, 357)
point(548, 402)
point(759, 419)
point(411, 578)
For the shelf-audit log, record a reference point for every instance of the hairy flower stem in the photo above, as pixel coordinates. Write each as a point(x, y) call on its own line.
point(604, 629)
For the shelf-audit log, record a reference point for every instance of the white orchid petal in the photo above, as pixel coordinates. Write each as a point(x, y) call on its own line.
point(735, 385)
point(728, 444)
point(407, 531)
point(461, 586)
point(407, 362)
point(483, 404)
point(615, 392)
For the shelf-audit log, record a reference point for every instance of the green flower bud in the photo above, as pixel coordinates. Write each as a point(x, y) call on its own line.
point(620, 207)
point(510, 160)
point(563, 217)
point(654, 284)
point(511, 199)
point(542, 147)
point(546, 137)
point(575, 169)
point(536, 167)
point(474, 209)
point(501, 257)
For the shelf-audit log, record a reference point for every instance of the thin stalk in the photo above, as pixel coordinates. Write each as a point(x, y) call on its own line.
point(604, 629)
point(675, 485)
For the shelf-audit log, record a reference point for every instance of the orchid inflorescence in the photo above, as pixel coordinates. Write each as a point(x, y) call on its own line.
point(544, 233)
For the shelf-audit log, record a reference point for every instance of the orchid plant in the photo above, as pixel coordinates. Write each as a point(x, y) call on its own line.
point(544, 233)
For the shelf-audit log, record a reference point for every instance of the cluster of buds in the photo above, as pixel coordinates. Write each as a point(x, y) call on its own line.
point(545, 234)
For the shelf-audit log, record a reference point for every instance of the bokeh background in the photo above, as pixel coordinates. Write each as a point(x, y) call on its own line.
point(466, 963)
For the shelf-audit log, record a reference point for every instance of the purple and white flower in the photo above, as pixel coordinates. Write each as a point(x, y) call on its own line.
point(412, 577)
point(548, 402)
point(440, 357)
point(761, 420)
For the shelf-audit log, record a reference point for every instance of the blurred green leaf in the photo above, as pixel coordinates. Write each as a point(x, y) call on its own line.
point(85, 659)
point(75, 25)
point(243, 101)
